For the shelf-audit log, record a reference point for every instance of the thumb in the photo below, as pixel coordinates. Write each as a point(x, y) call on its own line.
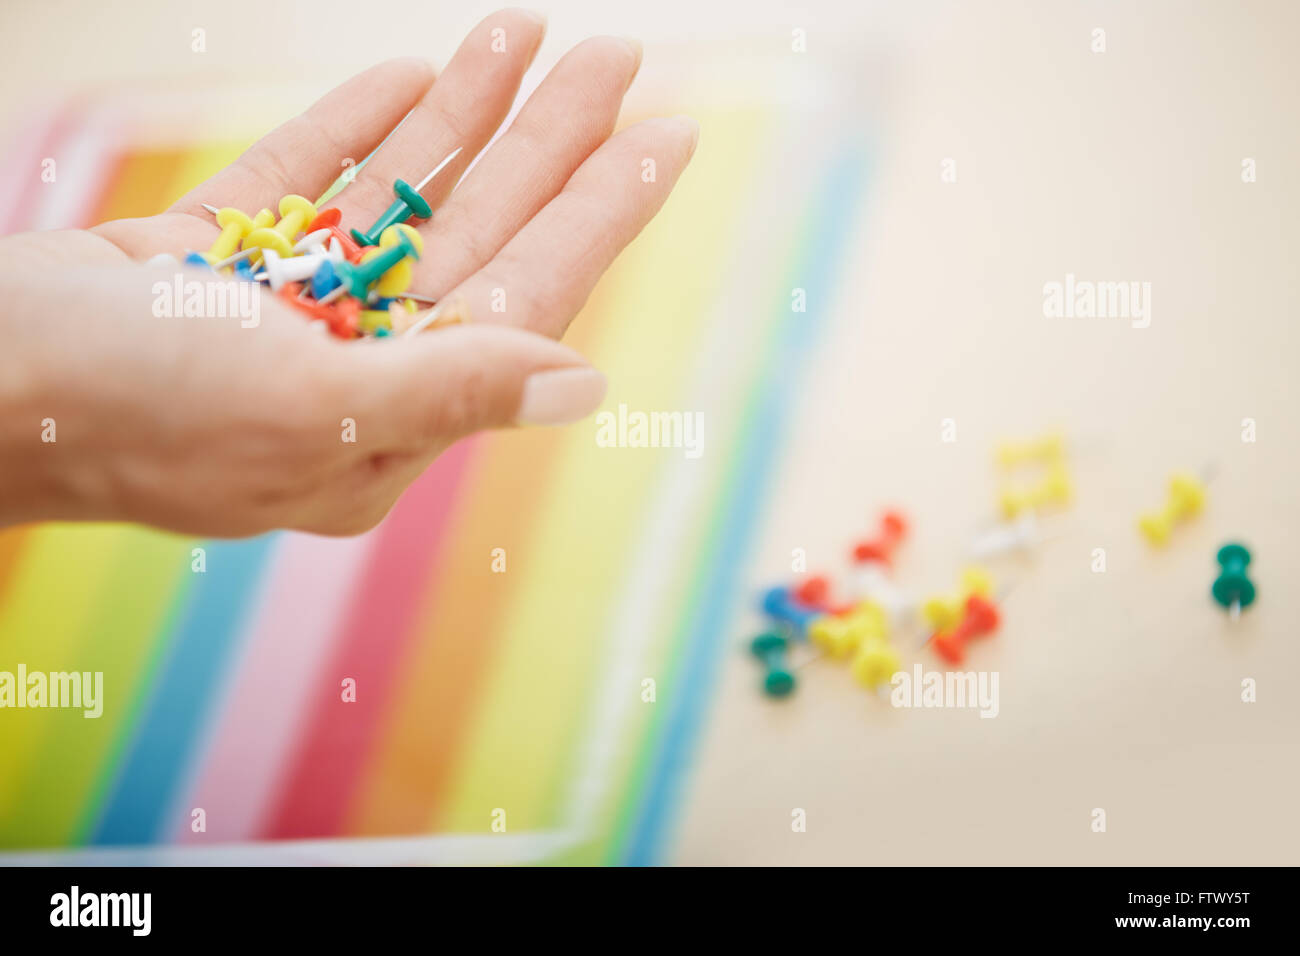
point(444, 385)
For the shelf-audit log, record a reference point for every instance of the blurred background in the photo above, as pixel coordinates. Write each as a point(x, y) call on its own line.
point(919, 171)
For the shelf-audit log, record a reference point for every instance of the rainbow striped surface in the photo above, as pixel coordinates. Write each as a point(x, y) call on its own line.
point(483, 696)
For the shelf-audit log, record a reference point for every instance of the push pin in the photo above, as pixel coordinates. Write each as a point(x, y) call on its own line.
point(1053, 489)
point(1232, 588)
point(815, 595)
point(235, 225)
point(942, 612)
point(355, 280)
point(873, 563)
point(1186, 500)
point(841, 634)
point(893, 529)
point(780, 606)
point(980, 618)
point(279, 271)
point(1047, 450)
point(409, 205)
point(1022, 535)
point(329, 219)
point(770, 648)
point(295, 213)
point(875, 664)
point(317, 241)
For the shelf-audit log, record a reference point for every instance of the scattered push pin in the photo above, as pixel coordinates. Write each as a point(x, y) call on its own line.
point(943, 612)
point(979, 618)
point(1023, 535)
point(841, 634)
point(1053, 490)
point(875, 664)
point(770, 648)
point(778, 604)
point(1186, 500)
point(409, 205)
point(873, 564)
point(1047, 450)
point(1232, 588)
point(880, 549)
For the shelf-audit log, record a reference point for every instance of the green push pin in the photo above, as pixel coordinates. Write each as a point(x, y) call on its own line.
point(410, 204)
point(1232, 589)
point(770, 648)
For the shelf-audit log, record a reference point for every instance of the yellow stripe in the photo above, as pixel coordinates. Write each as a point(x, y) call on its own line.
point(118, 641)
point(55, 593)
point(516, 756)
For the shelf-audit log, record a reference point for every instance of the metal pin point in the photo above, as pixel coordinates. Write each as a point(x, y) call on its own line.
point(437, 169)
point(231, 260)
point(331, 296)
point(1234, 611)
point(212, 209)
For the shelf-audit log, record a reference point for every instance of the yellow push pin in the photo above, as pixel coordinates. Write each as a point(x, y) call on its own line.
point(1049, 449)
point(840, 635)
point(1054, 489)
point(397, 279)
point(1186, 499)
point(875, 664)
point(942, 612)
point(235, 225)
point(295, 213)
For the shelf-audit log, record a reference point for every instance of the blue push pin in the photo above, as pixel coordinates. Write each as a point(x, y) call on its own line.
point(778, 605)
point(197, 259)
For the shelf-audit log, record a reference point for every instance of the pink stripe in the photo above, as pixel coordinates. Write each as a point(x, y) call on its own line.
point(20, 186)
point(321, 780)
point(309, 588)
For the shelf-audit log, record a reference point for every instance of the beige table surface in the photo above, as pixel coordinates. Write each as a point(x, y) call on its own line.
point(1119, 690)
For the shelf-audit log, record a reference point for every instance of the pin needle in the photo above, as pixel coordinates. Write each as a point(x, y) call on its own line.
point(437, 169)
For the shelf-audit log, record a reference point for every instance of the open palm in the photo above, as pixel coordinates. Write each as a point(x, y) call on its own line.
point(521, 243)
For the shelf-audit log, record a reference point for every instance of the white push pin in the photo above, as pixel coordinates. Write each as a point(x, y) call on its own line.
point(163, 259)
point(314, 242)
point(280, 271)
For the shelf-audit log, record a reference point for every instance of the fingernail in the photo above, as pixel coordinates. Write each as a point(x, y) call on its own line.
point(692, 125)
point(560, 396)
point(638, 52)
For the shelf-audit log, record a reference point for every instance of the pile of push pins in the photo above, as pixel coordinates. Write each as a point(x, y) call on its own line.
point(858, 621)
point(352, 284)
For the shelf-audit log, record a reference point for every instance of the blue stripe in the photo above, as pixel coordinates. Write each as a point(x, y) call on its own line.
point(165, 744)
point(707, 635)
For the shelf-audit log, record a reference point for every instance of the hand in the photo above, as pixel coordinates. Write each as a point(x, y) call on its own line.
point(206, 427)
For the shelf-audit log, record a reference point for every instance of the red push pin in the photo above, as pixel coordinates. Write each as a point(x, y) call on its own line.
point(893, 528)
point(329, 219)
point(980, 619)
point(815, 595)
point(343, 317)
